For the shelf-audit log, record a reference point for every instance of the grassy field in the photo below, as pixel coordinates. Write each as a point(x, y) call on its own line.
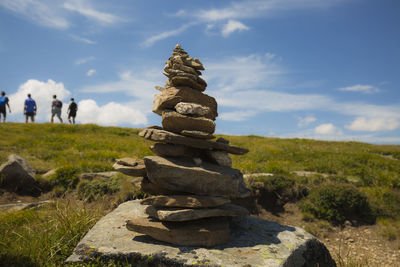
point(352, 181)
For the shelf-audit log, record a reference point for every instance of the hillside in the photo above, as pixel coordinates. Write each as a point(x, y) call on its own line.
point(330, 184)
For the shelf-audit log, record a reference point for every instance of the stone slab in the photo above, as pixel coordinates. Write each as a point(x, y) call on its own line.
point(137, 171)
point(173, 138)
point(253, 242)
point(185, 201)
point(183, 175)
point(174, 122)
point(180, 215)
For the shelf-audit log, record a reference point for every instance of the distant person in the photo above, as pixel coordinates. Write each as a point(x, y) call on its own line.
point(56, 106)
point(3, 103)
point(30, 109)
point(72, 109)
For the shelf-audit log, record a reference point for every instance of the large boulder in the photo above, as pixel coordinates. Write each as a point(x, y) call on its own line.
point(252, 242)
point(17, 175)
point(174, 122)
point(171, 96)
point(183, 175)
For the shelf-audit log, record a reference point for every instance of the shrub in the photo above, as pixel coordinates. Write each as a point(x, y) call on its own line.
point(384, 201)
point(337, 203)
point(66, 176)
point(93, 190)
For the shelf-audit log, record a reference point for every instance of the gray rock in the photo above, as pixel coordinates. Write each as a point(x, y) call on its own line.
point(192, 109)
point(131, 162)
point(18, 176)
point(137, 171)
point(252, 242)
point(94, 175)
point(218, 157)
point(153, 189)
point(185, 201)
point(174, 122)
point(172, 138)
point(179, 215)
point(181, 80)
point(197, 134)
point(182, 175)
point(171, 96)
point(23, 206)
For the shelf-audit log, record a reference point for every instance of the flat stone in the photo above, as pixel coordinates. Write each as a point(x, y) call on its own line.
point(18, 176)
point(131, 162)
point(153, 189)
point(252, 242)
point(138, 170)
point(174, 122)
point(171, 96)
point(182, 175)
point(185, 108)
point(218, 157)
point(197, 134)
point(24, 206)
point(185, 201)
point(101, 175)
point(186, 81)
point(180, 215)
point(205, 233)
point(173, 138)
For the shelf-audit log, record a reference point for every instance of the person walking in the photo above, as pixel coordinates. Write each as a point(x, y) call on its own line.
point(56, 106)
point(3, 103)
point(72, 109)
point(30, 109)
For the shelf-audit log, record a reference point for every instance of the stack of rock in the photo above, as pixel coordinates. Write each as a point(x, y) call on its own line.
point(191, 177)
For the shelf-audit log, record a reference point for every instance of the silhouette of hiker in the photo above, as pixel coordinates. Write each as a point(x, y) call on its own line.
point(72, 109)
point(56, 106)
point(3, 103)
point(30, 109)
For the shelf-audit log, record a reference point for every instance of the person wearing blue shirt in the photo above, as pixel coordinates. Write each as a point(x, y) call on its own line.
point(3, 103)
point(30, 108)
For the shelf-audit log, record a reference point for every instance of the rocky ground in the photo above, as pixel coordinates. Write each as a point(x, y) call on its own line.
point(354, 245)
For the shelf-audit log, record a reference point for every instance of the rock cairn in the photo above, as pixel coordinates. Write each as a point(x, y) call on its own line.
point(190, 178)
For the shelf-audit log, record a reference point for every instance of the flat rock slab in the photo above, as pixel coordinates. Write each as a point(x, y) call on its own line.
point(183, 175)
point(174, 122)
point(173, 138)
point(253, 242)
point(185, 201)
point(181, 215)
point(136, 171)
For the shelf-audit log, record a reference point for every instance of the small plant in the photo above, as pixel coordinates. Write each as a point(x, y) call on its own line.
point(93, 190)
point(337, 203)
point(66, 176)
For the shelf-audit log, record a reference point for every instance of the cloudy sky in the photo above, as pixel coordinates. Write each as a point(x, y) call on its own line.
point(322, 69)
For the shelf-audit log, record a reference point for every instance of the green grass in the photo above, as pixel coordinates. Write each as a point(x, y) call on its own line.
point(370, 176)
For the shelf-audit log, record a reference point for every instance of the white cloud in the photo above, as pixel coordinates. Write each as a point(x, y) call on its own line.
point(232, 26)
point(110, 114)
point(42, 93)
point(237, 115)
point(270, 56)
point(306, 121)
point(374, 124)
point(84, 60)
point(155, 38)
point(327, 129)
point(90, 72)
point(366, 89)
point(82, 39)
point(84, 8)
point(43, 12)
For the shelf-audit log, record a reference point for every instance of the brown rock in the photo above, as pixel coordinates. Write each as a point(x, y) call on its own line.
point(172, 138)
point(171, 96)
point(186, 81)
point(131, 162)
point(170, 150)
point(153, 189)
point(180, 215)
point(174, 122)
point(206, 232)
point(185, 201)
point(182, 175)
point(197, 134)
point(138, 170)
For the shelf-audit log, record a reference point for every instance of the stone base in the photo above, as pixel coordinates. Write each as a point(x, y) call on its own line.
point(253, 242)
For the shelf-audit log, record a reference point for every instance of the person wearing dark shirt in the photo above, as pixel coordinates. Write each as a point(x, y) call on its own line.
point(30, 108)
point(72, 109)
point(3, 103)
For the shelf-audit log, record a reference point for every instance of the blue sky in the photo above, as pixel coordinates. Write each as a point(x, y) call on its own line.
point(321, 69)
